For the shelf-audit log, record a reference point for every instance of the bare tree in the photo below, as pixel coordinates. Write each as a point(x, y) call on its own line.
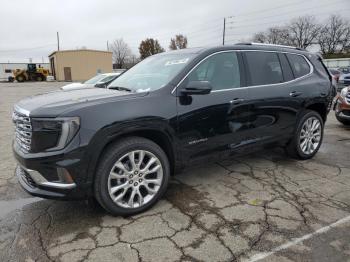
point(260, 37)
point(179, 42)
point(121, 52)
point(303, 31)
point(149, 47)
point(273, 35)
point(335, 35)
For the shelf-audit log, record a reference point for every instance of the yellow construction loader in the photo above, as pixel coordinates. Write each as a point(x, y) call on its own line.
point(32, 73)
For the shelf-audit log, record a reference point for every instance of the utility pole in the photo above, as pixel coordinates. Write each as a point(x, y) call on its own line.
point(58, 42)
point(107, 46)
point(223, 32)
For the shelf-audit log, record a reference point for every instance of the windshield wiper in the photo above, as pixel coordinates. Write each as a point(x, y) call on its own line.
point(120, 88)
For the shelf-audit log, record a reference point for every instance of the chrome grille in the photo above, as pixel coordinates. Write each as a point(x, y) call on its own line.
point(23, 131)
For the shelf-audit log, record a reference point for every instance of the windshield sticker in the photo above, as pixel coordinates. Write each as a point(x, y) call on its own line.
point(176, 62)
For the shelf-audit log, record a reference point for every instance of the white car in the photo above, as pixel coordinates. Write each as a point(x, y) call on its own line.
point(101, 80)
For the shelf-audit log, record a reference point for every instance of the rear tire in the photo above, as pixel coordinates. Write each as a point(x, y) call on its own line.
point(308, 136)
point(123, 180)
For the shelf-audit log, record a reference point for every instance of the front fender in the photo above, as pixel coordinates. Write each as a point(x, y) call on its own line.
point(112, 133)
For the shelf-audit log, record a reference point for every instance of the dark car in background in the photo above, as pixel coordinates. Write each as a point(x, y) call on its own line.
point(344, 81)
point(335, 74)
point(344, 69)
point(169, 111)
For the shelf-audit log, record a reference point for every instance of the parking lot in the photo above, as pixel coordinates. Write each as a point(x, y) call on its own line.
point(261, 207)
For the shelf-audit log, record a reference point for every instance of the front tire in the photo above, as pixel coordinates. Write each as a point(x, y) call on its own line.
point(132, 176)
point(20, 78)
point(308, 136)
point(341, 120)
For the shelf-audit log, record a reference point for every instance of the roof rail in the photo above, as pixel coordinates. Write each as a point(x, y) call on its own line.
point(264, 44)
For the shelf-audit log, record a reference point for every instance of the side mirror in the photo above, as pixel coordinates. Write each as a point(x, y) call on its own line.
point(197, 88)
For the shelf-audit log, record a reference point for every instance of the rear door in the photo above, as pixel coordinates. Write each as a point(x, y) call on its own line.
point(213, 124)
point(273, 113)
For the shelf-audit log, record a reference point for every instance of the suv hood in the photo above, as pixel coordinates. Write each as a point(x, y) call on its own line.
point(55, 103)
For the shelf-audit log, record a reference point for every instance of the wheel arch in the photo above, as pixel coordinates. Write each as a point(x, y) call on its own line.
point(161, 137)
point(320, 108)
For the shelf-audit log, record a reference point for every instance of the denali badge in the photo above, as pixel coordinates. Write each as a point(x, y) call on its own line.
point(197, 141)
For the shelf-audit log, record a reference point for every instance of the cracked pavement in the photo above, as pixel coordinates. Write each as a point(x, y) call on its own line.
point(225, 211)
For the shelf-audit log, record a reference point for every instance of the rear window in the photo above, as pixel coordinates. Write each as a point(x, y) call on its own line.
point(299, 65)
point(264, 68)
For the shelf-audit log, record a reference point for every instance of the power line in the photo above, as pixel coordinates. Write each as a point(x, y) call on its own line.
point(281, 14)
point(278, 21)
point(26, 49)
point(270, 9)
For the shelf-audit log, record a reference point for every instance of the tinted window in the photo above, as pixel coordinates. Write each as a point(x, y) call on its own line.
point(8, 71)
point(299, 65)
point(286, 69)
point(221, 70)
point(264, 68)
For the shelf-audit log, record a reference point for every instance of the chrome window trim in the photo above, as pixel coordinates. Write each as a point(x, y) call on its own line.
point(242, 50)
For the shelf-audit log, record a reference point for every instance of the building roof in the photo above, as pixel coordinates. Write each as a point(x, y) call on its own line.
point(79, 50)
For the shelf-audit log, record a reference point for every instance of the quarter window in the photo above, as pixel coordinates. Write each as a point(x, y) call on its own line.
point(221, 70)
point(264, 68)
point(299, 65)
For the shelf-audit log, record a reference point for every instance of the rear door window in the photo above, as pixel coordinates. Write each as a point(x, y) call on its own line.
point(264, 68)
point(286, 69)
point(299, 65)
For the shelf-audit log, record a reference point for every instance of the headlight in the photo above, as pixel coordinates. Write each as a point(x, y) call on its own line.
point(53, 134)
point(343, 92)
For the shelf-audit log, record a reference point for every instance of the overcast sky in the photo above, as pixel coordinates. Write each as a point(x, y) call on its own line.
point(28, 28)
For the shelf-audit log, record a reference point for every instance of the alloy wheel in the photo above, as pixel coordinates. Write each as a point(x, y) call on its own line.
point(310, 135)
point(135, 179)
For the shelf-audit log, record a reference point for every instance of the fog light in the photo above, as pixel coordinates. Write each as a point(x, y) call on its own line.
point(64, 176)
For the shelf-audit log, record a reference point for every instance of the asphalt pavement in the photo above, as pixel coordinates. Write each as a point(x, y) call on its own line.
point(259, 207)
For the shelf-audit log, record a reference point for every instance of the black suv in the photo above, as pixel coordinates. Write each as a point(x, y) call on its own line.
point(120, 145)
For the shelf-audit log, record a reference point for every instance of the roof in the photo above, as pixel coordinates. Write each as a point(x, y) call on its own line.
point(240, 46)
point(79, 50)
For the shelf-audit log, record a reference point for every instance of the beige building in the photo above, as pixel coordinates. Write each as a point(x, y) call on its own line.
point(79, 65)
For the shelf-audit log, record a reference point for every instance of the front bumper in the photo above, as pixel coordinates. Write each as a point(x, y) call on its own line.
point(342, 108)
point(55, 177)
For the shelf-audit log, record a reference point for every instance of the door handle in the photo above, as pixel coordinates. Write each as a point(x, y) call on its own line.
point(295, 94)
point(323, 94)
point(237, 101)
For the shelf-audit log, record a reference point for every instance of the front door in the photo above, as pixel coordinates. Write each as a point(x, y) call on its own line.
point(214, 123)
point(67, 74)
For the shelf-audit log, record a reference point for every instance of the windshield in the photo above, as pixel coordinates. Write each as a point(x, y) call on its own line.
point(152, 73)
point(95, 79)
point(107, 78)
